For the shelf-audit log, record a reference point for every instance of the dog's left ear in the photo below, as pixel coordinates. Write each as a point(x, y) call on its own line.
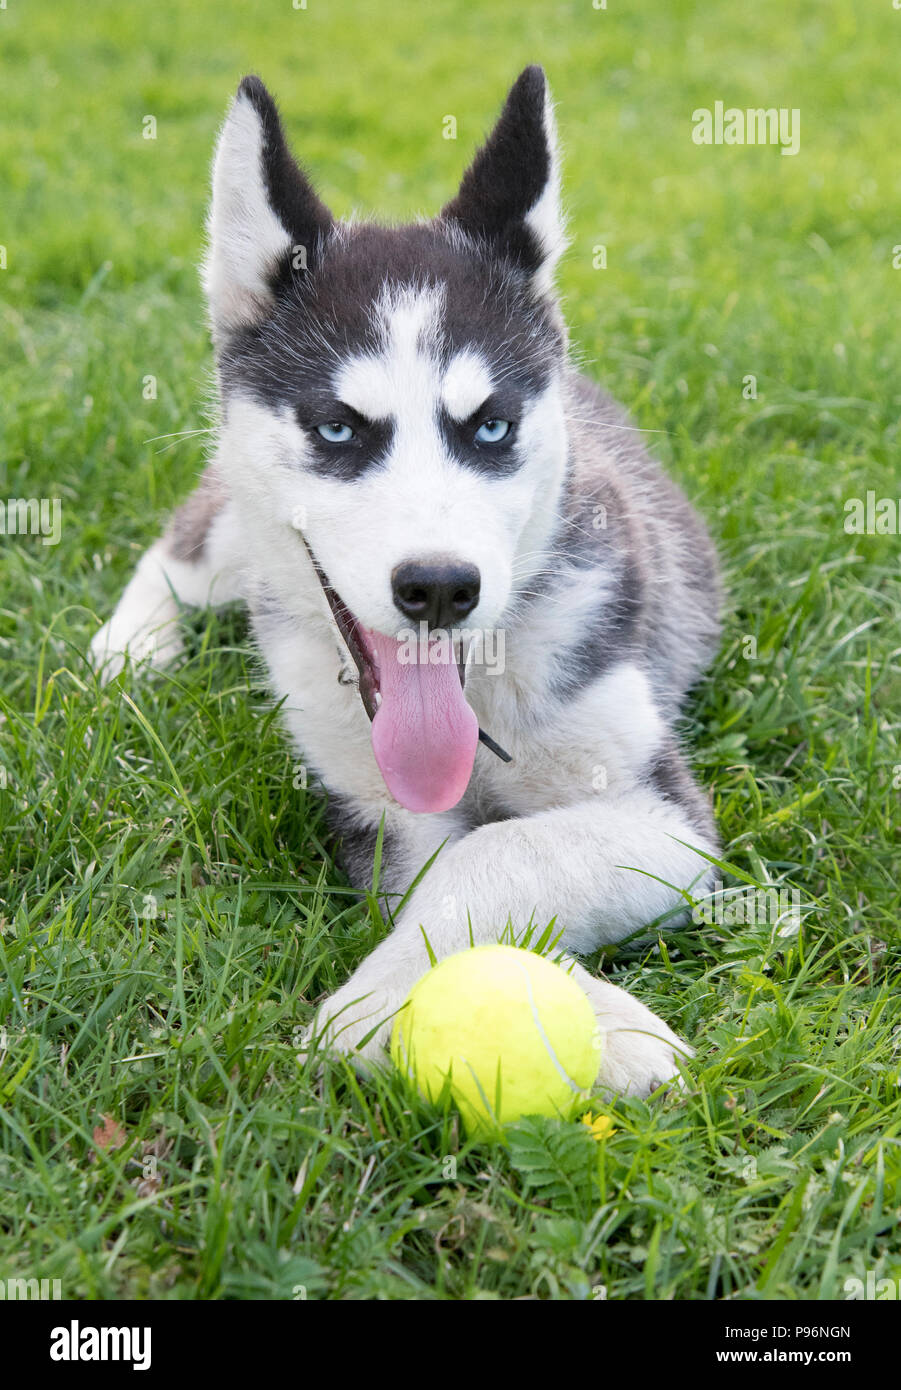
point(510, 194)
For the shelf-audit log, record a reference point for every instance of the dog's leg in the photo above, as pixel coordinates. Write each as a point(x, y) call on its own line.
point(193, 564)
point(603, 869)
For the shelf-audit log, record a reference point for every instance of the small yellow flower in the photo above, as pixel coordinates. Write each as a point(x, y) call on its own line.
point(600, 1126)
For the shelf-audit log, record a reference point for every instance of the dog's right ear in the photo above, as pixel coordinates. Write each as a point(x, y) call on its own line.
point(265, 221)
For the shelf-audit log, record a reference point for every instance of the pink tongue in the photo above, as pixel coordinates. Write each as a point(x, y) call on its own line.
point(424, 735)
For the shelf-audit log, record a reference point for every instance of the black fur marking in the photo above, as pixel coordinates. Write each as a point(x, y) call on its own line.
point(357, 841)
point(613, 632)
point(669, 776)
point(367, 450)
point(508, 176)
point(609, 637)
point(494, 460)
point(480, 808)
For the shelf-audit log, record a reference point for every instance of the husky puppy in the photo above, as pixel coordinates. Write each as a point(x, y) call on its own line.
point(480, 600)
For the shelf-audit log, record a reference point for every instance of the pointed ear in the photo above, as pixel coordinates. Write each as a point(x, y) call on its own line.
point(265, 221)
point(510, 195)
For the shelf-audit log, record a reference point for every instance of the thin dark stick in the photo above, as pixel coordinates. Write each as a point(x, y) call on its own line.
point(495, 747)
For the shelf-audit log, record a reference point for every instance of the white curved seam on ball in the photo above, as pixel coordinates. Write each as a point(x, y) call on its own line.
point(564, 1075)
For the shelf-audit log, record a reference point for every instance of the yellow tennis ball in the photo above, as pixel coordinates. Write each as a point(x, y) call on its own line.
point(511, 1030)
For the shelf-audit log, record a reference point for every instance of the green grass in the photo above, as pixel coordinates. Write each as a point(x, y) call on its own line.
point(777, 1173)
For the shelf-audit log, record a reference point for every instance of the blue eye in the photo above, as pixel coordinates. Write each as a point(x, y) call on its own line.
point(334, 432)
point(493, 431)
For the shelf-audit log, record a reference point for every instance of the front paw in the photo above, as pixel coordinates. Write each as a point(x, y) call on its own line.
point(356, 1021)
point(636, 1063)
point(117, 644)
point(640, 1052)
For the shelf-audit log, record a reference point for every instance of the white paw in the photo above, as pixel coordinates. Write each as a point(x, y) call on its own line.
point(343, 1023)
point(118, 642)
point(640, 1052)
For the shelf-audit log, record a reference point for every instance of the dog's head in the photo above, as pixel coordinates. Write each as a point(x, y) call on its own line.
point(392, 408)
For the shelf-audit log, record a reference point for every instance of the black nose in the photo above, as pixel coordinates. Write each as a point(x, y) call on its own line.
point(438, 592)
